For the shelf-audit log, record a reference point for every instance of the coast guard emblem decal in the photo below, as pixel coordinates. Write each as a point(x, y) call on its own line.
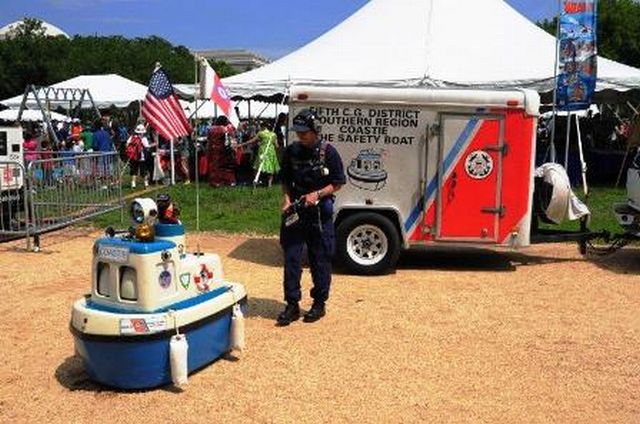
point(478, 164)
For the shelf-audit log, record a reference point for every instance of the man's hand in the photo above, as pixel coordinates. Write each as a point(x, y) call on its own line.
point(286, 203)
point(311, 199)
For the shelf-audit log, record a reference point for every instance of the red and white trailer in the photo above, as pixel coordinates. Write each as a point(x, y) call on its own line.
point(426, 167)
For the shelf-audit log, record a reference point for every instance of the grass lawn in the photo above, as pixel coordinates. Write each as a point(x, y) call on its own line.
point(600, 203)
point(256, 211)
point(229, 209)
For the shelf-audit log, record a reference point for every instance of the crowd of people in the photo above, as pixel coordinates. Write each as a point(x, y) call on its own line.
point(70, 137)
point(226, 155)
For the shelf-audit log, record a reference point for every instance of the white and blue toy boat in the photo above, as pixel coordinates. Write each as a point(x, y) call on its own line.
point(145, 288)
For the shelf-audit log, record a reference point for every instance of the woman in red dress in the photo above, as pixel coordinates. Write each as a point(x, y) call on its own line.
point(220, 153)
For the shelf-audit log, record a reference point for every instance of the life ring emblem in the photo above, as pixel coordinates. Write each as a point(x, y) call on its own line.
point(478, 164)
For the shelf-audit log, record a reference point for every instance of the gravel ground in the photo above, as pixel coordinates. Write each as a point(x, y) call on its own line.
point(469, 335)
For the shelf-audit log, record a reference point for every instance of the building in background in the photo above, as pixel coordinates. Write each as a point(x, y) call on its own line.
point(239, 59)
point(49, 30)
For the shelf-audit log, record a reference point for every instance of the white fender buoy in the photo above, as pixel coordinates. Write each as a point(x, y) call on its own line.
point(237, 328)
point(178, 357)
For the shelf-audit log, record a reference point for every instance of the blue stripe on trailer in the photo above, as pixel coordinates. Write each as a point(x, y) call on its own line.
point(448, 163)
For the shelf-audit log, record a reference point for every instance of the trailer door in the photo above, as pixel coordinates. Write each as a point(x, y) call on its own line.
point(469, 178)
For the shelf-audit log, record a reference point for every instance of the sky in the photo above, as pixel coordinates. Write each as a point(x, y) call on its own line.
point(272, 28)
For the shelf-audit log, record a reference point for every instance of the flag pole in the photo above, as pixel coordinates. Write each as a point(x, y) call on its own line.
point(552, 146)
point(567, 141)
point(195, 138)
point(173, 161)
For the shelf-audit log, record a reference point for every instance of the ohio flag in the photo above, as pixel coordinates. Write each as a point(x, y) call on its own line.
point(211, 87)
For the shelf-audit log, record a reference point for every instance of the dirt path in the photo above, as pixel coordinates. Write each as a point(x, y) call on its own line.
point(462, 336)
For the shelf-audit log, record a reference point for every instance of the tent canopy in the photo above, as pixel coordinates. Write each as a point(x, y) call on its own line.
point(30, 115)
point(106, 91)
point(254, 109)
point(427, 43)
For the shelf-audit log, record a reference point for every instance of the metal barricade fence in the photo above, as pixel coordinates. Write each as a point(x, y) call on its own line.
point(65, 190)
point(59, 191)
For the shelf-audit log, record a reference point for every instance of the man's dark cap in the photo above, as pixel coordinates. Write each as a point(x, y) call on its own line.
point(304, 121)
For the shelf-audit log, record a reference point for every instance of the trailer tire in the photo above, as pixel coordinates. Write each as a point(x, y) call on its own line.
point(368, 244)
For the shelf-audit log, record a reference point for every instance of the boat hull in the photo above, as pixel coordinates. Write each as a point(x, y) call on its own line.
point(142, 361)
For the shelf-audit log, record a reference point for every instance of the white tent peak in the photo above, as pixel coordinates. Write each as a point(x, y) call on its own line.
point(441, 43)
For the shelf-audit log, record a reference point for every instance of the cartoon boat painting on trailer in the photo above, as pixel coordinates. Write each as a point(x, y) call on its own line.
point(145, 288)
point(366, 171)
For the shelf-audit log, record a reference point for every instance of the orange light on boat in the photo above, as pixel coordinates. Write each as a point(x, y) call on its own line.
point(303, 96)
point(512, 103)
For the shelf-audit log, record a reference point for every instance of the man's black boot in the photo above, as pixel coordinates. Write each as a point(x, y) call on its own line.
point(316, 312)
point(291, 313)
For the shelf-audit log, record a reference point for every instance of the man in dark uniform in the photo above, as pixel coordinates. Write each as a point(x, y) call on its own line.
point(312, 172)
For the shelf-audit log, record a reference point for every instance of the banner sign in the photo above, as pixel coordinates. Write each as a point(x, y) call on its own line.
point(578, 54)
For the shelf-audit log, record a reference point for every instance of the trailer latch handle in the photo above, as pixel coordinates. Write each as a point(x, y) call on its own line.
point(498, 211)
point(504, 149)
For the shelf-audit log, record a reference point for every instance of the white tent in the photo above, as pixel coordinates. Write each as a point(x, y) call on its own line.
point(106, 91)
point(30, 115)
point(431, 43)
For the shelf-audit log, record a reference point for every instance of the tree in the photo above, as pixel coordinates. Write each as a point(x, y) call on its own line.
point(222, 68)
point(29, 57)
point(28, 27)
point(618, 30)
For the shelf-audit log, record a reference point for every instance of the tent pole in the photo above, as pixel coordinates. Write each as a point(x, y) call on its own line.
point(47, 121)
point(555, 85)
point(583, 164)
point(566, 143)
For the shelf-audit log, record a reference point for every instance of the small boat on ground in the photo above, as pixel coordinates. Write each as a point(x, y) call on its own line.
point(146, 288)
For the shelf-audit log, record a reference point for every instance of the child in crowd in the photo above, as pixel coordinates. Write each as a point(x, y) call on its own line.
point(30, 147)
point(136, 151)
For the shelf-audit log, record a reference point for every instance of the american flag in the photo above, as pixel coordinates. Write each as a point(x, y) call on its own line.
point(162, 110)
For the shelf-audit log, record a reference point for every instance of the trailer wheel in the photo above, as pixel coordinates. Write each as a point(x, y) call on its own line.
point(368, 244)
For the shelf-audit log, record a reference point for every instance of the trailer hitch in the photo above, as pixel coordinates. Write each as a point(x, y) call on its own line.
point(613, 243)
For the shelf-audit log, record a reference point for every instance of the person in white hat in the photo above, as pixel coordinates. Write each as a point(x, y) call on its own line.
point(137, 144)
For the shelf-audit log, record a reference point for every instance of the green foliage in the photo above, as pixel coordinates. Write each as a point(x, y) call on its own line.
point(29, 27)
point(549, 25)
point(28, 57)
point(600, 203)
point(222, 68)
point(618, 30)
